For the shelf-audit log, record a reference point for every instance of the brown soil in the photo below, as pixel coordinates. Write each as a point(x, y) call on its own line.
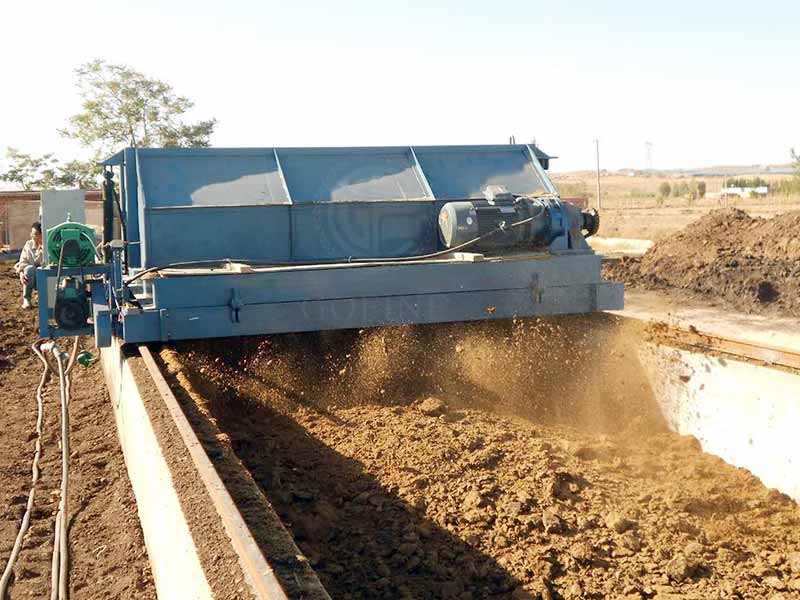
point(107, 553)
point(570, 487)
point(751, 264)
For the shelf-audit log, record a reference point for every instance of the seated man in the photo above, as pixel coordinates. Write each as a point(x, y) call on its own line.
point(29, 259)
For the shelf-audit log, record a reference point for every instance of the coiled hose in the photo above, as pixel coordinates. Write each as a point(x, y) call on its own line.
point(59, 563)
point(26, 518)
point(59, 588)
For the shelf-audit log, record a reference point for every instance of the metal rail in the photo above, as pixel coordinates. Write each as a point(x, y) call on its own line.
point(693, 338)
point(258, 573)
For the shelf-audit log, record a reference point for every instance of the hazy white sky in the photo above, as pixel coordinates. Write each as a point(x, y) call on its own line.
point(708, 82)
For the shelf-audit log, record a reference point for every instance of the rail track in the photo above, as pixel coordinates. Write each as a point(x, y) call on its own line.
point(691, 338)
point(201, 521)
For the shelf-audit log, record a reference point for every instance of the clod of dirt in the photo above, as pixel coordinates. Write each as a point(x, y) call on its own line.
point(752, 264)
point(618, 522)
point(433, 407)
point(794, 562)
point(679, 568)
point(552, 521)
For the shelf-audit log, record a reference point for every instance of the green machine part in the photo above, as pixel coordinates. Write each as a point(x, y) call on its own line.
point(79, 242)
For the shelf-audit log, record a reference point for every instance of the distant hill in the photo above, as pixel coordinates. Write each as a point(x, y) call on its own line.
point(714, 171)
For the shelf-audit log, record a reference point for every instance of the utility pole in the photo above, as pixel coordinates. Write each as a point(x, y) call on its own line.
point(597, 151)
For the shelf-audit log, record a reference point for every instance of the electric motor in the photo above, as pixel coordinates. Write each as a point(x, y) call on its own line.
point(460, 222)
point(72, 244)
point(71, 310)
point(545, 219)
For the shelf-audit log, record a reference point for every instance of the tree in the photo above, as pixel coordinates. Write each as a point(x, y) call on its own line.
point(44, 172)
point(124, 107)
point(701, 189)
point(681, 189)
point(796, 164)
point(82, 174)
point(30, 171)
point(664, 189)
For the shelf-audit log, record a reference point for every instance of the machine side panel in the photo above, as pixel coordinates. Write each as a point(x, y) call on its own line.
point(243, 232)
point(129, 189)
point(392, 280)
point(363, 229)
point(348, 313)
point(348, 202)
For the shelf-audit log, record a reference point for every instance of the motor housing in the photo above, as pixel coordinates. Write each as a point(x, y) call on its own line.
point(72, 309)
point(72, 244)
point(546, 220)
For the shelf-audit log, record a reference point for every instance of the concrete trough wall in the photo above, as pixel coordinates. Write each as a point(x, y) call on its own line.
point(747, 414)
point(173, 555)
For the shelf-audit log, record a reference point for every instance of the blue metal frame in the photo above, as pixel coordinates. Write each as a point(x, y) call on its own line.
point(316, 210)
point(163, 226)
point(280, 300)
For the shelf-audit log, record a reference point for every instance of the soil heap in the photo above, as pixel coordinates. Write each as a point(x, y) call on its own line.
point(751, 264)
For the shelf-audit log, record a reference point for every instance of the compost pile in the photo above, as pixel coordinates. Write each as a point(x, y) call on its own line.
point(751, 264)
point(397, 481)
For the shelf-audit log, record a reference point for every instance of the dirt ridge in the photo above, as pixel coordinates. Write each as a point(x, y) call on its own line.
point(749, 263)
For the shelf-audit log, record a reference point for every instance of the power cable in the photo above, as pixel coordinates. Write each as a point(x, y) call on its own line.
point(381, 261)
point(26, 518)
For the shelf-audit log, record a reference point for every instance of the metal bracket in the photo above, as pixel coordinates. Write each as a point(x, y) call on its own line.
point(537, 293)
point(236, 305)
point(163, 315)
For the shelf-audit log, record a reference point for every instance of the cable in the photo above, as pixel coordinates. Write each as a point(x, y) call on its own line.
point(97, 252)
point(26, 518)
point(122, 222)
point(73, 354)
point(59, 562)
point(387, 261)
point(59, 578)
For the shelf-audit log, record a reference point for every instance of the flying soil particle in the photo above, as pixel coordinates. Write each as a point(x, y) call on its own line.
point(508, 460)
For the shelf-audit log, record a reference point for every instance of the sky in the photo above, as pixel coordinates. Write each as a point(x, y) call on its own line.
point(707, 82)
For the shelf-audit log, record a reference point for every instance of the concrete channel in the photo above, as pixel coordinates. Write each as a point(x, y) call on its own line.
point(742, 403)
point(173, 544)
point(732, 381)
